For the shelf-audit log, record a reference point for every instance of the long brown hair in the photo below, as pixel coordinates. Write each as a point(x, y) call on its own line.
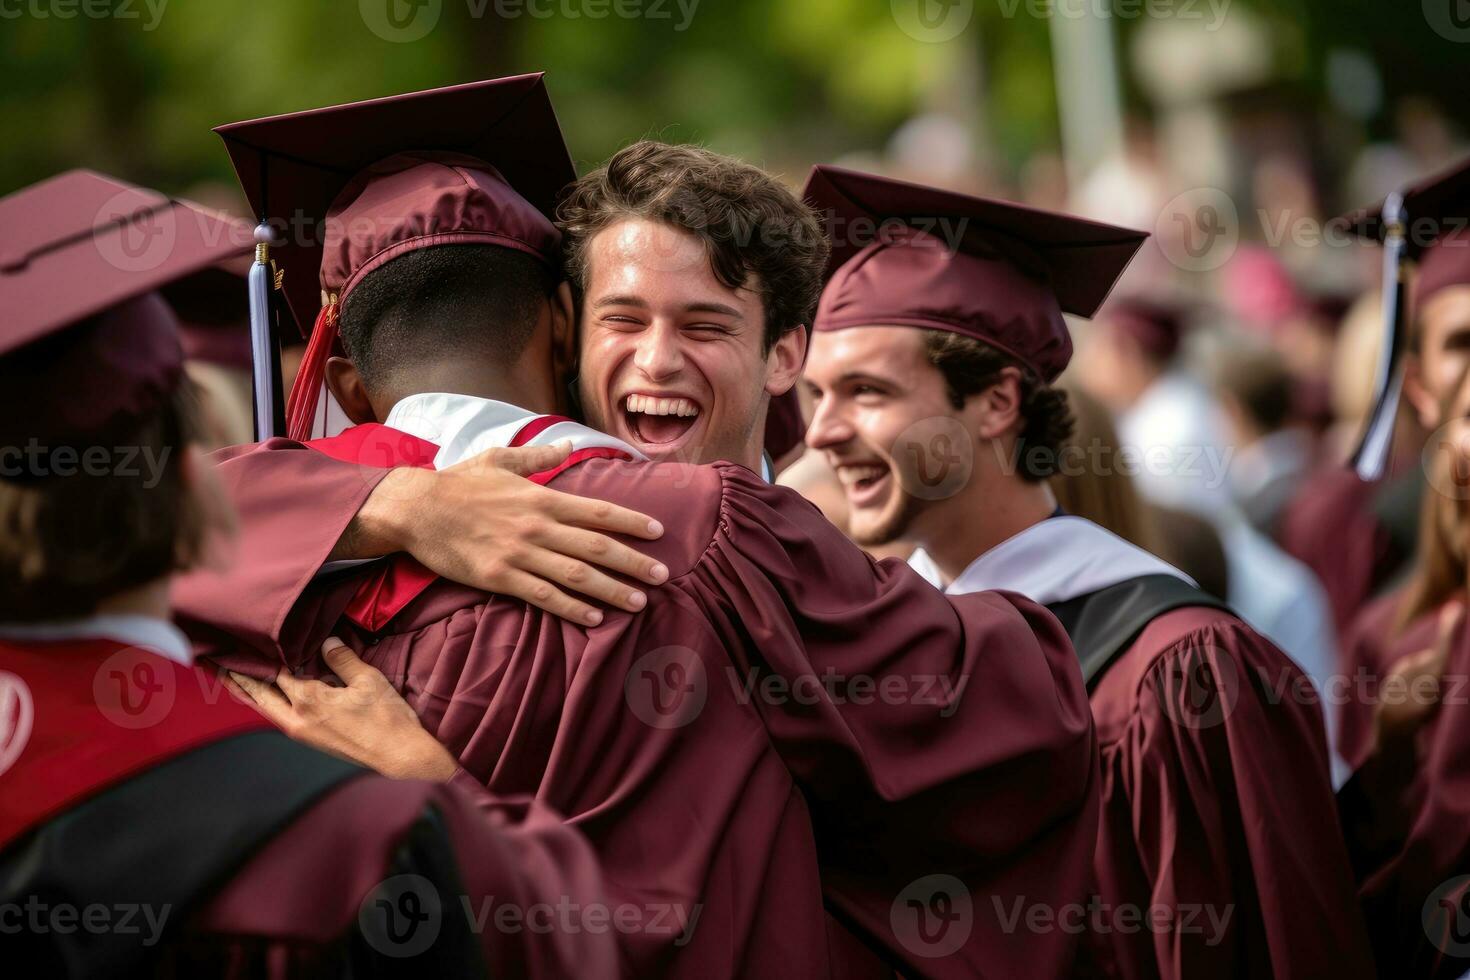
point(1103, 494)
point(1439, 569)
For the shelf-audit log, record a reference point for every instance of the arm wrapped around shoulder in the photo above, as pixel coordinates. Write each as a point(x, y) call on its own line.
point(932, 734)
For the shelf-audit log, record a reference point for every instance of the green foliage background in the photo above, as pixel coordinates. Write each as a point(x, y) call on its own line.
point(783, 82)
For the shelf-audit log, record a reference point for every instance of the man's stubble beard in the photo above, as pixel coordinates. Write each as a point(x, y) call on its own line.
point(894, 527)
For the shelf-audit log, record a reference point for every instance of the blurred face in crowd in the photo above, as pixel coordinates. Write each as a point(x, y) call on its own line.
point(1444, 352)
point(671, 358)
point(883, 419)
point(1112, 366)
point(1449, 461)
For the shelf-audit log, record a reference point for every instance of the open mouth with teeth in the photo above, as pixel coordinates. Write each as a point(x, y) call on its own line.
point(865, 483)
point(656, 421)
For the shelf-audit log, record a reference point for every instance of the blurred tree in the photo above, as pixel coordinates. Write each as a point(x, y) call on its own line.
point(784, 83)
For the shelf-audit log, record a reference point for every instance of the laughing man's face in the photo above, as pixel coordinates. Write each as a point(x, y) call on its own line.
point(671, 357)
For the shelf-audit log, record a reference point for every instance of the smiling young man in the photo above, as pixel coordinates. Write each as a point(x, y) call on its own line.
point(931, 369)
point(693, 275)
point(757, 755)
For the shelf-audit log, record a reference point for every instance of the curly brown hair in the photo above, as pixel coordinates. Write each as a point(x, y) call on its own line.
point(751, 225)
point(970, 366)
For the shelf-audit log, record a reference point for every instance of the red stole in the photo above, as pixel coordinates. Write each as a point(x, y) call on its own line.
point(78, 716)
point(391, 585)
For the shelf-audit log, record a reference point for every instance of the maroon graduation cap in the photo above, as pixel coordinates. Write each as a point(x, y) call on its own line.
point(908, 255)
point(212, 308)
point(86, 343)
point(1425, 223)
point(348, 188)
point(1155, 325)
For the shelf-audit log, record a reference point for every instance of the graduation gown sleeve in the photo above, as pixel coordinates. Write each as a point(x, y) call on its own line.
point(408, 873)
point(1220, 853)
point(943, 743)
point(293, 505)
point(925, 764)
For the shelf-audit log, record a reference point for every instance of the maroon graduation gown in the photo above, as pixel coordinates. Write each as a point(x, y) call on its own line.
point(128, 781)
point(1340, 527)
point(1217, 806)
point(783, 724)
point(1369, 651)
point(1378, 804)
point(1416, 903)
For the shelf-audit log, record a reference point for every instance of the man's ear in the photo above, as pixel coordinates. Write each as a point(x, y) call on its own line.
point(1417, 394)
point(564, 331)
point(785, 361)
point(346, 386)
point(997, 409)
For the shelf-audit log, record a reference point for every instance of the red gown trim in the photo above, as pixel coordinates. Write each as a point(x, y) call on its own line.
point(393, 584)
point(79, 716)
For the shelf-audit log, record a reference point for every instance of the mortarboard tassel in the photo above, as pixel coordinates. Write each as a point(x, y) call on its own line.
point(306, 392)
point(1371, 458)
point(264, 354)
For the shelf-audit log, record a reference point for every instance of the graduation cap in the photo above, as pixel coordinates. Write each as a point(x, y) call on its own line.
point(87, 346)
point(348, 188)
point(213, 311)
point(1002, 273)
point(1424, 223)
point(1157, 326)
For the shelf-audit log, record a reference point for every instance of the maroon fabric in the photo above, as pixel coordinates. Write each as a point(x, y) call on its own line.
point(91, 381)
point(1415, 903)
point(80, 242)
point(913, 280)
point(1433, 206)
point(84, 343)
point(1217, 803)
point(288, 910)
point(1444, 264)
point(752, 805)
point(1387, 791)
point(1156, 328)
point(60, 706)
point(285, 913)
point(417, 200)
point(293, 167)
point(785, 425)
point(1436, 210)
point(1369, 650)
point(247, 602)
point(1000, 272)
point(1330, 526)
point(214, 314)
